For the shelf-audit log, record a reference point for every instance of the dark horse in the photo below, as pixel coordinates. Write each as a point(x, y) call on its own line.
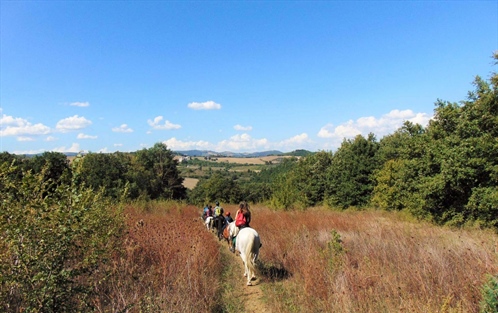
point(218, 223)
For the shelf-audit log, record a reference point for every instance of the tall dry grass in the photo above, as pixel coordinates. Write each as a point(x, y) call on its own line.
point(168, 263)
point(311, 261)
point(381, 263)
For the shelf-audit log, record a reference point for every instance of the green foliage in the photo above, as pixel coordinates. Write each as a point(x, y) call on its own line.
point(54, 166)
point(155, 173)
point(489, 303)
point(483, 206)
point(350, 175)
point(284, 194)
point(447, 172)
point(221, 186)
point(55, 243)
point(334, 251)
point(310, 179)
point(105, 171)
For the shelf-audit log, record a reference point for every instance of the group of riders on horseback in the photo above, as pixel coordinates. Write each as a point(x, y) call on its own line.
point(220, 220)
point(238, 234)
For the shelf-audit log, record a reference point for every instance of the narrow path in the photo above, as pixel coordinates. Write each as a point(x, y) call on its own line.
point(242, 298)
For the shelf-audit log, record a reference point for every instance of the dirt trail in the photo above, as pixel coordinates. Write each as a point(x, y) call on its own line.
point(251, 297)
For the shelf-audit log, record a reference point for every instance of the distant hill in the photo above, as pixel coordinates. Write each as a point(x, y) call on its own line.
point(299, 153)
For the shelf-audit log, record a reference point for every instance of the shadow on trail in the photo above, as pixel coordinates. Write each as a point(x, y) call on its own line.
point(272, 272)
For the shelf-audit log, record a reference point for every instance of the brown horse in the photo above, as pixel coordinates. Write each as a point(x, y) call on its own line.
point(226, 235)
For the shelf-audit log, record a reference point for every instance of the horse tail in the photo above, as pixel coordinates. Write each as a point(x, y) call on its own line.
point(251, 253)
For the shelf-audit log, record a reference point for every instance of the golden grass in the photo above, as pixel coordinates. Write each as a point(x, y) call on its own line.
point(166, 266)
point(382, 263)
point(389, 265)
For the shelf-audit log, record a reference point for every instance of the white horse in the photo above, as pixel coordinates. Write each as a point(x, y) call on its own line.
point(232, 229)
point(248, 244)
point(208, 222)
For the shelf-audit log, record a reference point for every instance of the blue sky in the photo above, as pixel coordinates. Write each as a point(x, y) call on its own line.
point(239, 76)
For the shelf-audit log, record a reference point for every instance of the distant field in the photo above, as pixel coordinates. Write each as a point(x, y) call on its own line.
point(258, 161)
point(190, 183)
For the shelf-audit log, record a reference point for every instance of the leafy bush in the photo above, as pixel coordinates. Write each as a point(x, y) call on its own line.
point(54, 244)
point(489, 303)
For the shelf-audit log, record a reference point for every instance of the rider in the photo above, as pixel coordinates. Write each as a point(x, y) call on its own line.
point(242, 220)
point(219, 219)
point(218, 211)
point(210, 210)
point(205, 212)
point(228, 218)
point(243, 216)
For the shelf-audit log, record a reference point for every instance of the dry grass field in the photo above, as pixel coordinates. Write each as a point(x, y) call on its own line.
point(311, 261)
point(380, 263)
point(257, 161)
point(190, 183)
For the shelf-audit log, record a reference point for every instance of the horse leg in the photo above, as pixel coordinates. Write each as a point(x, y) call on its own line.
point(220, 229)
point(247, 272)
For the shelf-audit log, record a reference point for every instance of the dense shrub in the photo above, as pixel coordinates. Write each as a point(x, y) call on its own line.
point(54, 243)
point(489, 303)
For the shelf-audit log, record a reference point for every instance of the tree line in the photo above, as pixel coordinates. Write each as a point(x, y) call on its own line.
point(146, 174)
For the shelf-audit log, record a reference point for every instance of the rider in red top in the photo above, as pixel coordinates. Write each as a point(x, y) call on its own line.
point(242, 219)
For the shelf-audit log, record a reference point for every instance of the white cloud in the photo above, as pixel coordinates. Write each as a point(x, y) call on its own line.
point(156, 124)
point(208, 105)
point(122, 129)
point(13, 121)
point(243, 128)
point(80, 104)
point(21, 138)
point(103, 150)
point(51, 138)
point(19, 152)
point(243, 142)
point(175, 144)
point(118, 145)
point(72, 123)
point(74, 148)
point(386, 124)
point(296, 142)
point(16, 126)
point(84, 136)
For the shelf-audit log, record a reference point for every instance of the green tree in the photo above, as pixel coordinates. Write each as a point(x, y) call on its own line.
point(449, 171)
point(350, 177)
point(310, 179)
point(104, 170)
point(405, 156)
point(55, 166)
point(220, 186)
point(156, 172)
